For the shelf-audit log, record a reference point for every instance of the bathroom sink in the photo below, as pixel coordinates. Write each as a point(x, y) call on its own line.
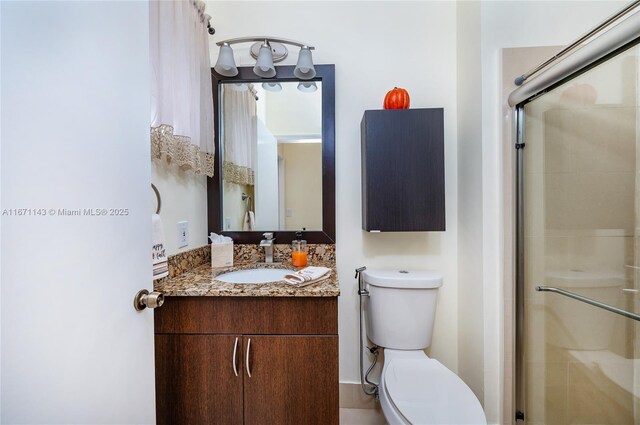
point(254, 276)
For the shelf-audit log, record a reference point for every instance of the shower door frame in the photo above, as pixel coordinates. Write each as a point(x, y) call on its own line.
point(519, 147)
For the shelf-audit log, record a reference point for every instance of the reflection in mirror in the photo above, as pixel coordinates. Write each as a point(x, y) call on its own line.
point(271, 137)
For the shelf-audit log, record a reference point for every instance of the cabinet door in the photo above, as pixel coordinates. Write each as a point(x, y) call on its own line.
point(403, 170)
point(195, 379)
point(294, 380)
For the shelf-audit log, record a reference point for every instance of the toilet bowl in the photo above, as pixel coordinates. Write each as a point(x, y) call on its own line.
point(414, 389)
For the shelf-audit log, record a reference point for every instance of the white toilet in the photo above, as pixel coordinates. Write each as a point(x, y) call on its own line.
point(414, 389)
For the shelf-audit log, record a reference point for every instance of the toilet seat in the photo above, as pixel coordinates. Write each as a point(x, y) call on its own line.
point(425, 392)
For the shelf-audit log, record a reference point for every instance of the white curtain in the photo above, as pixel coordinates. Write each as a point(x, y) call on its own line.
point(181, 97)
point(240, 133)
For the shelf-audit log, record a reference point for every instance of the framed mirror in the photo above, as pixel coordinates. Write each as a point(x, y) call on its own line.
point(275, 156)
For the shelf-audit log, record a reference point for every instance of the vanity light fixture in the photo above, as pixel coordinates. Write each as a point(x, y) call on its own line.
point(226, 64)
point(307, 86)
point(304, 68)
point(266, 51)
point(274, 87)
point(264, 64)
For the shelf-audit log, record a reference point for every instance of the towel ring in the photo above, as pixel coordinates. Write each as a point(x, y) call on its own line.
point(155, 189)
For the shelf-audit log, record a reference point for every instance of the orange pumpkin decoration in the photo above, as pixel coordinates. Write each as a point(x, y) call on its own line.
point(398, 98)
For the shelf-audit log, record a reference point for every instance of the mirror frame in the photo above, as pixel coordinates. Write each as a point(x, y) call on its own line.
point(324, 74)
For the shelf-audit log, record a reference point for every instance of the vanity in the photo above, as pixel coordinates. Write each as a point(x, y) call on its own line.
point(257, 353)
point(246, 353)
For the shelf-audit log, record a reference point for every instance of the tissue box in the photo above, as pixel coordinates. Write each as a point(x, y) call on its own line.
point(222, 254)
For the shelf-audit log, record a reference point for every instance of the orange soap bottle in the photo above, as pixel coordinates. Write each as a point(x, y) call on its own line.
point(299, 251)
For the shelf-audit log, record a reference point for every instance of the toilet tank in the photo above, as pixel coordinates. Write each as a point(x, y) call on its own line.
point(401, 308)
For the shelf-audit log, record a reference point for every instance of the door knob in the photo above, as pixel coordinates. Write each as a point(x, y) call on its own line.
point(144, 299)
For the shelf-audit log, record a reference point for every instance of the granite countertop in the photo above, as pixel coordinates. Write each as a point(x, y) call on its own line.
point(201, 281)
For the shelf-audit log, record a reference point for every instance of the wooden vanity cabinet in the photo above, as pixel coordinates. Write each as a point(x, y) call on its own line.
point(288, 346)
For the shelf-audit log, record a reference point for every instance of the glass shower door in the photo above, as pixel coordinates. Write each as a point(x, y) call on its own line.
point(581, 227)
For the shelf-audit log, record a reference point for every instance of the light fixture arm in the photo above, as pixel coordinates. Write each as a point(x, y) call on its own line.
point(262, 39)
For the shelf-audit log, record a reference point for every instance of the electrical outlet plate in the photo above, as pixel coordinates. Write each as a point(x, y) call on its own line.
point(183, 234)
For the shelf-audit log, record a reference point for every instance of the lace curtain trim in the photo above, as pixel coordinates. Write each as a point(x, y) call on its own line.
point(233, 173)
point(180, 150)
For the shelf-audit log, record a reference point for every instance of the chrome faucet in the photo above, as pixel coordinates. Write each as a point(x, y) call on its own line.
point(267, 243)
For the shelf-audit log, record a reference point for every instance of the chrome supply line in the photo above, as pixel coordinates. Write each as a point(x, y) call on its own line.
point(368, 387)
point(590, 301)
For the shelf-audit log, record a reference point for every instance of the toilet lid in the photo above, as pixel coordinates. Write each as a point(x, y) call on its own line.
point(426, 392)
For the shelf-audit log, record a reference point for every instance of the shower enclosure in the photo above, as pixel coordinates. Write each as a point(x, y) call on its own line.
point(578, 247)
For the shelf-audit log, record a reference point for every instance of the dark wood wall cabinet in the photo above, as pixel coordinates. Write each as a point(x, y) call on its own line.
point(244, 360)
point(403, 170)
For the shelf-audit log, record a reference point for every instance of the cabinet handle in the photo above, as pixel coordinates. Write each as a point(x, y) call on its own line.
point(235, 350)
point(248, 351)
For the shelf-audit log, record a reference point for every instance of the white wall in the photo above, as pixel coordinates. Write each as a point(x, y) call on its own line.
point(512, 24)
point(184, 198)
point(293, 112)
point(375, 46)
point(470, 289)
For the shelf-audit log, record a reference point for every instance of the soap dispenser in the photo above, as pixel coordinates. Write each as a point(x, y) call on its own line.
point(299, 251)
